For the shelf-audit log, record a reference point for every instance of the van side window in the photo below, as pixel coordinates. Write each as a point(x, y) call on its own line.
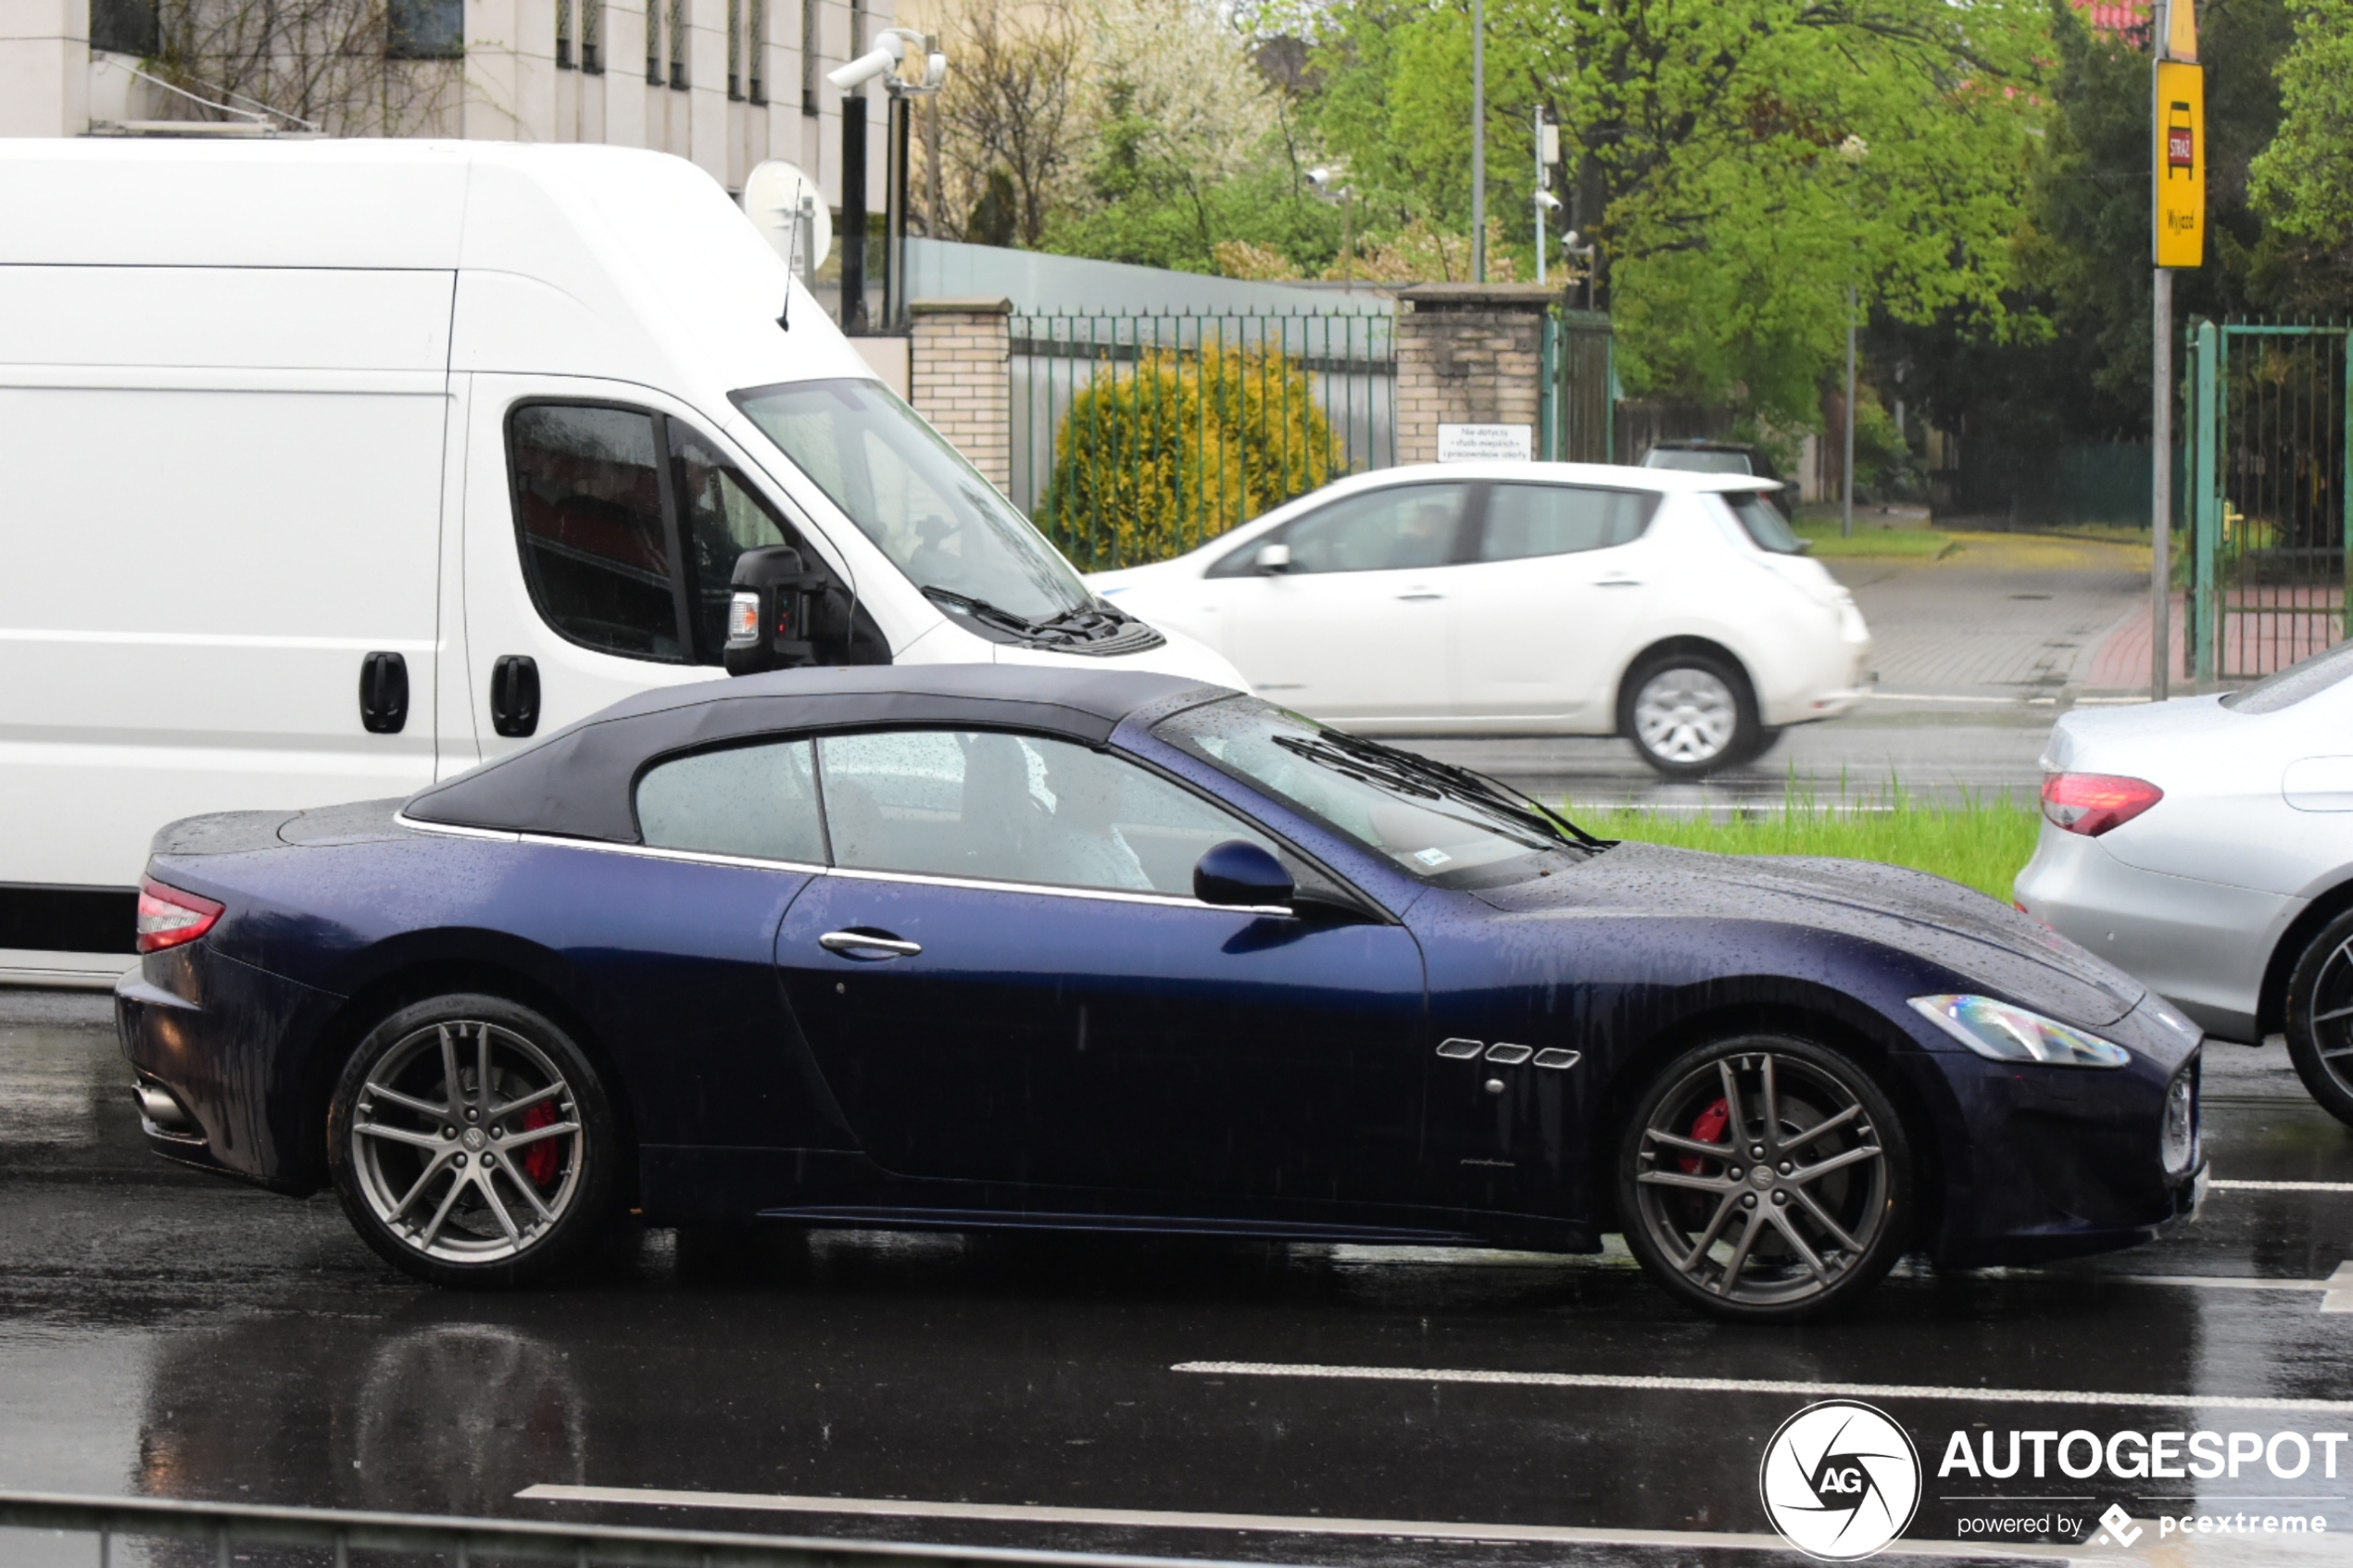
point(724, 517)
point(588, 505)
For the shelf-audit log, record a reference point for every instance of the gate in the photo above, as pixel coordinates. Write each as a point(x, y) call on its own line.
point(2271, 495)
point(1578, 422)
point(1138, 436)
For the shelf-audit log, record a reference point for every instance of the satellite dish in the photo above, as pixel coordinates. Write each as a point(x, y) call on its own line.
point(786, 206)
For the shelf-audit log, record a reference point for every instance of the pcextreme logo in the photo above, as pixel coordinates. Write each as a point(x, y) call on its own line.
point(1840, 1480)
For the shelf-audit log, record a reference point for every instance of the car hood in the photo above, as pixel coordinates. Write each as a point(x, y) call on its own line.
point(2012, 956)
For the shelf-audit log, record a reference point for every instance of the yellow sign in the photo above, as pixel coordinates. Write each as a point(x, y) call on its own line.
point(2181, 31)
point(2181, 164)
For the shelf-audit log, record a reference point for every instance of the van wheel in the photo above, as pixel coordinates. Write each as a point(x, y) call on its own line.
point(1689, 714)
point(1765, 1179)
point(2320, 1017)
point(472, 1142)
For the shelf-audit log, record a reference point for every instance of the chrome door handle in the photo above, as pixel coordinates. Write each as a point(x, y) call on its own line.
point(1618, 583)
point(864, 944)
point(1421, 595)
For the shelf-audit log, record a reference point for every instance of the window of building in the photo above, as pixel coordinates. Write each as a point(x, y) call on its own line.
point(563, 35)
point(653, 43)
point(735, 49)
point(425, 30)
point(592, 36)
point(678, 45)
point(126, 27)
point(756, 62)
point(808, 56)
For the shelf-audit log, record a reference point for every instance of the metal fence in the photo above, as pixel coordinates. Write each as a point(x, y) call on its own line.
point(2270, 491)
point(168, 1530)
point(1140, 437)
point(1579, 420)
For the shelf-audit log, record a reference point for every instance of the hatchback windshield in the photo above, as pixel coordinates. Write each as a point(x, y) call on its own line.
point(1367, 792)
point(915, 497)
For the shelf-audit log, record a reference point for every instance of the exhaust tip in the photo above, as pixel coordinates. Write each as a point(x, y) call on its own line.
point(157, 1104)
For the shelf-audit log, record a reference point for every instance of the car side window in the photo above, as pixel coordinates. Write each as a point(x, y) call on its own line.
point(758, 801)
point(722, 518)
point(1558, 520)
point(588, 506)
point(1401, 528)
point(1008, 807)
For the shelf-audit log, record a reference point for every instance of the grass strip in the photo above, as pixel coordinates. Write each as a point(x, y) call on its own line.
point(1872, 541)
point(1982, 841)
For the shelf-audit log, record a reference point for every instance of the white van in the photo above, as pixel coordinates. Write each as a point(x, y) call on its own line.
point(331, 469)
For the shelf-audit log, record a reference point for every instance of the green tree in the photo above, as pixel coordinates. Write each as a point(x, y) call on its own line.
point(2304, 180)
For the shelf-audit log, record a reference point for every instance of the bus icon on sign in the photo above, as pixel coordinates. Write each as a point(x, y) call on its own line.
point(2181, 142)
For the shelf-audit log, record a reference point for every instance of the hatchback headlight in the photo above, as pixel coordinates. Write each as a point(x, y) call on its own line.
point(2005, 1033)
point(2178, 1144)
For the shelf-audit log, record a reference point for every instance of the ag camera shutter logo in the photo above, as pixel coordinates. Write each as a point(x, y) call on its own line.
point(1840, 1480)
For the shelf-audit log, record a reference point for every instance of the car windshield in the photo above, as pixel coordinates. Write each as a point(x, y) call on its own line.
point(1395, 804)
point(2285, 688)
point(916, 497)
point(1700, 461)
point(1763, 523)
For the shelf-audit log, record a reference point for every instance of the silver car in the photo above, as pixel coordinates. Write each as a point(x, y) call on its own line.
point(2206, 844)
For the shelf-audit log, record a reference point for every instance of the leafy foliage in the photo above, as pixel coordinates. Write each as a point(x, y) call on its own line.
point(2305, 178)
point(1153, 462)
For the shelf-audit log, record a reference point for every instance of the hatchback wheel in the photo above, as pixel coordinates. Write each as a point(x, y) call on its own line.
point(1765, 1179)
point(472, 1142)
point(1688, 715)
point(2320, 1017)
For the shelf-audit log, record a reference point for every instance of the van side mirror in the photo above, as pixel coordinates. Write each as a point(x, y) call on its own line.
point(770, 616)
point(1239, 873)
point(1273, 559)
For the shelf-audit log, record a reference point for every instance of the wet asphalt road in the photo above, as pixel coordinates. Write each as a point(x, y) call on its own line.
point(168, 1333)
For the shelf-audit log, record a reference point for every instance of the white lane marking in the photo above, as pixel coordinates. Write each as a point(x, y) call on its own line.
point(2279, 1186)
point(1763, 1385)
point(1272, 1524)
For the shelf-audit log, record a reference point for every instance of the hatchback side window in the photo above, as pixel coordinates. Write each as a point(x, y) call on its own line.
point(1558, 520)
point(758, 801)
point(594, 547)
point(1006, 808)
point(1400, 528)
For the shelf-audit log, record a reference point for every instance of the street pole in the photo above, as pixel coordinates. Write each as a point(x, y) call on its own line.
point(1846, 520)
point(1479, 141)
point(1537, 200)
point(2161, 497)
point(853, 212)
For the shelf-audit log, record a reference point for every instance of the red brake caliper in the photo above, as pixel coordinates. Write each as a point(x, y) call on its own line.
point(540, 1159)
point(1708, 1127)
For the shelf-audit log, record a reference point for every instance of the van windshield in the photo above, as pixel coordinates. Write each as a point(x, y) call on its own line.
point(916, 497)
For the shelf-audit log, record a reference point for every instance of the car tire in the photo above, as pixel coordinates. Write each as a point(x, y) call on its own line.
point(431, 1175)
point(2320, 1017)
point(1758, 1239)
point(1689, 714)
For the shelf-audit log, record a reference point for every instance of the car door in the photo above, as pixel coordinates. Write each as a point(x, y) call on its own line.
point(1006, 980)
point(1360, 625)
point(1553, 602)
point(600, 533)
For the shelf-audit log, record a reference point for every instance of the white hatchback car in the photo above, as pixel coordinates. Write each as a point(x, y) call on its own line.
point(2205, 846)
point(1675, 609)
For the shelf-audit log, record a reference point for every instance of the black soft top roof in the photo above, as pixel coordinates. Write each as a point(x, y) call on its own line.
point(577, 783)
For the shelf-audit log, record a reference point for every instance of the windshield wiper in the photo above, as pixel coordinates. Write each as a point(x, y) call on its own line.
point(1432, 779)
point(981, 609)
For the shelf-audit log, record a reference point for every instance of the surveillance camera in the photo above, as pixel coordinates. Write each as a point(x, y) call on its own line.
point(1548, 201)
point(865, 68)
point(1319, 176)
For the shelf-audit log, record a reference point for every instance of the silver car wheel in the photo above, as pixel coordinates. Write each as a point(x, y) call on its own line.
point(2330, 1020)
point(1786, 1200)
point(466, 1143)
point(1686, 715)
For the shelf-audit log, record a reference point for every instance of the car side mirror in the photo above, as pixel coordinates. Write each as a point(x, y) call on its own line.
point(1240, 872)
point(771, 612)
point(1273, 557)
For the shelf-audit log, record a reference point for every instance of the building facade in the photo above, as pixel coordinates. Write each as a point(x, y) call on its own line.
point(725, 83)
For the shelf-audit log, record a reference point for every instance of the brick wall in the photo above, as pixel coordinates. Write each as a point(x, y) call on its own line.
point(959, 375)
point(1468, 354)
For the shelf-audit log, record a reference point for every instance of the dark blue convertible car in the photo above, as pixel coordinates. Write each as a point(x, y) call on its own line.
point(966, 946)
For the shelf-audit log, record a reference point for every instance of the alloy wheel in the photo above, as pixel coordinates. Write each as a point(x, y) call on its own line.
point(467, 1142)
point(1761, 1179)
point(2319, 1018)
point(1686, 715)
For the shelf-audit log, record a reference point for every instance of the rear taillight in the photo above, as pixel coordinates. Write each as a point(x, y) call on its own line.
point(2092, 803)
point(169, 917)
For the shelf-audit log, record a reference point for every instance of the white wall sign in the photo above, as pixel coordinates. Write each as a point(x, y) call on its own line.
point(1474, 443)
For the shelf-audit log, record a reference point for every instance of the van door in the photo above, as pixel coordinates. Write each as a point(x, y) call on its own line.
point(218, 555)
point(602, 525)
